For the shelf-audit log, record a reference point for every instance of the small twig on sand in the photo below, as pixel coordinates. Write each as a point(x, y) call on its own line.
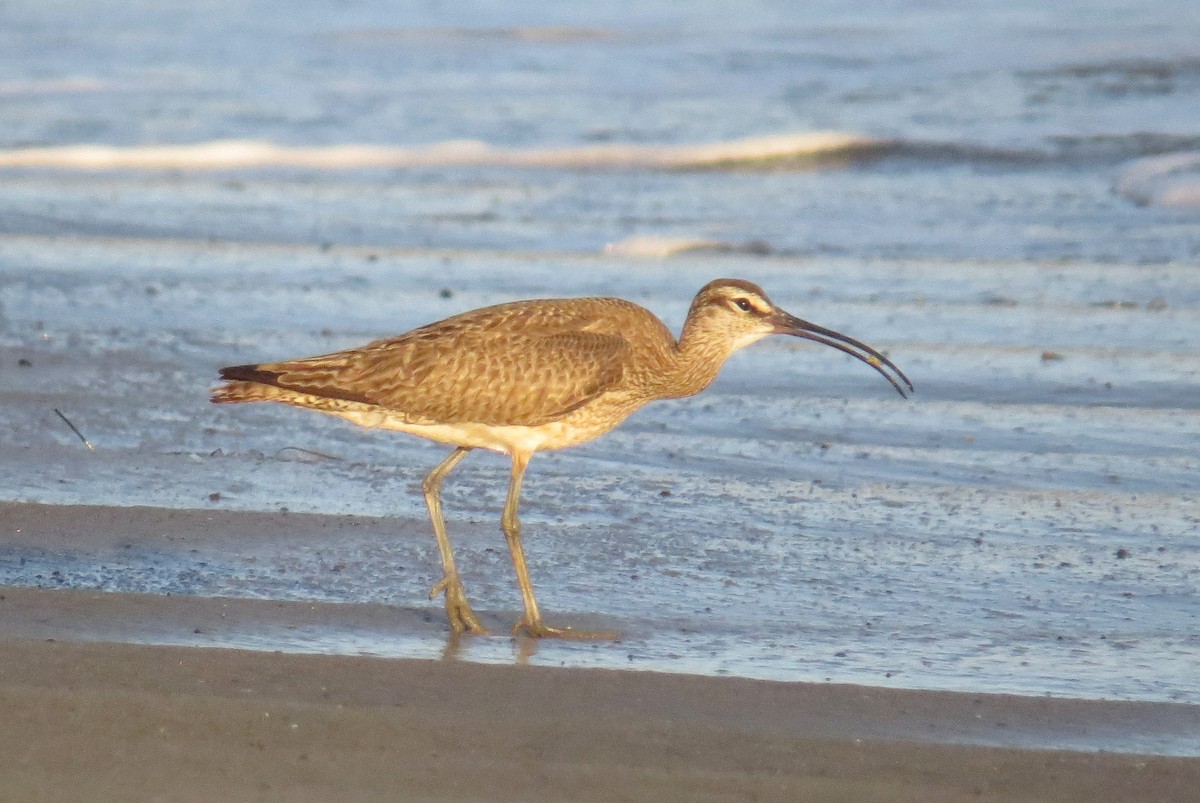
point(74, 429)
point(302, 450)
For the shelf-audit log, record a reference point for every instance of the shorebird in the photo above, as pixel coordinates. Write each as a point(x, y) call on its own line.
point(525, 377)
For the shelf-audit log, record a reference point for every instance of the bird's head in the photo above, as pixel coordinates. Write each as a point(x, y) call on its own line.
point(738, 313)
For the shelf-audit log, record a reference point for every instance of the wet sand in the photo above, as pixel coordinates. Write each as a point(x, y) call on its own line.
point(114, 696)
point(127, 722)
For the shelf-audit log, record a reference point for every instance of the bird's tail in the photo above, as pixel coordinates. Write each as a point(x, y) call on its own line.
point(245, 383)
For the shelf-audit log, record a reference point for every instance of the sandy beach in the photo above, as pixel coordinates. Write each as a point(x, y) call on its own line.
point(121, 696)
point(122, 722)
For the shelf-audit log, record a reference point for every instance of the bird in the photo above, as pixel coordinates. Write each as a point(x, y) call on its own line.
point(524, 377)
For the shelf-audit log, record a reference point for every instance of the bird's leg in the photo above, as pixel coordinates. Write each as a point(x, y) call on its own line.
point(458, 610)
point(531, 623)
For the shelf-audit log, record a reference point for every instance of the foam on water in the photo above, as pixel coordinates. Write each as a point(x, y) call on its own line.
point(810, 148)
point(1172, 179)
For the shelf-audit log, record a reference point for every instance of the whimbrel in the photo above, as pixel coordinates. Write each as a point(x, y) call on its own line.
point(525, 377)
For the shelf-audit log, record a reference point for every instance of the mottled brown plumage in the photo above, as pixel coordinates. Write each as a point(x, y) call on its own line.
point(524, 377)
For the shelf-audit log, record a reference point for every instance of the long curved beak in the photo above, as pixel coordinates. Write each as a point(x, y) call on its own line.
point(788, 324)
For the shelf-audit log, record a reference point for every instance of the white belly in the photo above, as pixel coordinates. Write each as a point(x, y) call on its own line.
point(505, 439)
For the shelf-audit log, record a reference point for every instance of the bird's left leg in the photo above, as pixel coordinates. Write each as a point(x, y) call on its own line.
point(531, 623)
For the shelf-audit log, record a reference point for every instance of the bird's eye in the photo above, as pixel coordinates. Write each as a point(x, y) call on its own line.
point(743, 304)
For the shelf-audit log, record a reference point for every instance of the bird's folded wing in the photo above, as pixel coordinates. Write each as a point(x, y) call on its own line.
point(522, 378)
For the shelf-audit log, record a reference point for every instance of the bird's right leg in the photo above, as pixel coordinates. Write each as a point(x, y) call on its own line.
point(458, 610)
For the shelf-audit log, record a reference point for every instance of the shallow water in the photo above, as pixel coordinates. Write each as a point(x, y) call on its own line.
point(1017, 238)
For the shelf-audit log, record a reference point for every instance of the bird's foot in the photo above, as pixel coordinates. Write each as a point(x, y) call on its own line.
point(536, 629)
point(458, 610)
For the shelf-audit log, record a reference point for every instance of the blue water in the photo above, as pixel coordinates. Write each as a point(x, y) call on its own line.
point(1013, 239)
point(1010, 122)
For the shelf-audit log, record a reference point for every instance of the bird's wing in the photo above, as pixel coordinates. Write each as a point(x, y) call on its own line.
point(449, 372)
